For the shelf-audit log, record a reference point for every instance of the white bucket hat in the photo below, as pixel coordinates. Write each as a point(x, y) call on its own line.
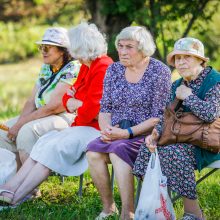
point(187, 46)
point(56, 36)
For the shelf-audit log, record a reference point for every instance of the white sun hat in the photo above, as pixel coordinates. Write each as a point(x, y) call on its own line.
point(56, 36)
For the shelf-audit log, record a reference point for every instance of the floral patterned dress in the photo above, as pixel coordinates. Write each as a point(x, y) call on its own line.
point(136, 102)
point(178, 161)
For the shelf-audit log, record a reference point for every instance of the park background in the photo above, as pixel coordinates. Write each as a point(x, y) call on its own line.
point(23, 22)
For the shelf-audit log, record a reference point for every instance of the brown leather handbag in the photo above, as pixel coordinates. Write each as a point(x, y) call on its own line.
point(185, 127)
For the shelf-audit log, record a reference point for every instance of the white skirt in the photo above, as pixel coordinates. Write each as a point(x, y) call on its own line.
point(64, 151)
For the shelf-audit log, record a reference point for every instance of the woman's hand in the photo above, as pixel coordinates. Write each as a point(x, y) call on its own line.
point(13, 132)
point(70, 92)
point(151, 140)
point(73, 104)
point(182, 92)
point(112, 133)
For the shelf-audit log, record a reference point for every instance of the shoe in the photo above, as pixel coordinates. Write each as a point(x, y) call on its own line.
point(5, 198)
point(104, 215)
point(8, 206)
point(189, 216)
point(4, 207)
point(36, 193)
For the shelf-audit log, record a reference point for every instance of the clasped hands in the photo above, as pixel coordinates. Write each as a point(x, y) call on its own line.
point(112, 133)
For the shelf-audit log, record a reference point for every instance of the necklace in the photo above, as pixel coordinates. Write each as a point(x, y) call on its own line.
point(56, 68)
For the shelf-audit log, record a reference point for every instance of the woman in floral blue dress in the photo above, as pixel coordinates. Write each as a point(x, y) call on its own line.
point(178, 161)
point(136, 90)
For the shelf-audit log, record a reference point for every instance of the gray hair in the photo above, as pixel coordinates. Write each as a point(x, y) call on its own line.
point(86, 42)
point(140, 34)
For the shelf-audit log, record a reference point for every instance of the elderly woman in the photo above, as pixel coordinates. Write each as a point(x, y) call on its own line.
point(135, 92)
point(64, 150)
point(44, 111)
point(178, 161)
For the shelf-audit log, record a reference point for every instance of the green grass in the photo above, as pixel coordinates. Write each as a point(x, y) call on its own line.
point(60, 201)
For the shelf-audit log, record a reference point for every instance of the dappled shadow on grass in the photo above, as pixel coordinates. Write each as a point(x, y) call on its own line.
point(61, 202)
point(209, 195)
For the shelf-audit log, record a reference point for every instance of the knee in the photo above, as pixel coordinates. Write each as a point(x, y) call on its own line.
point(93, 156)
point(26, 138)
point(23, 155)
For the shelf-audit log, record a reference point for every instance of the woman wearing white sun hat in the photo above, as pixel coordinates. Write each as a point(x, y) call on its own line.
point(43, 111)
point(64, 151)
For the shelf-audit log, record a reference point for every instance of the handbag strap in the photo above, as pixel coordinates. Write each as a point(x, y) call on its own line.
point(177, 131)
point(177, 116)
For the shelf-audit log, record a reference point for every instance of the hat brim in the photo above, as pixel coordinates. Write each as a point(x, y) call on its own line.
point(170, 56)
point(50, 43)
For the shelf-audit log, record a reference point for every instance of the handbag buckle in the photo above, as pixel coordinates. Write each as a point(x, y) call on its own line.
point(179, 113)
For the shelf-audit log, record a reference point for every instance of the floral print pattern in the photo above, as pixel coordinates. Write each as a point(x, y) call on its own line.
point(178, 160)
point(139, 101)
point(67, 74)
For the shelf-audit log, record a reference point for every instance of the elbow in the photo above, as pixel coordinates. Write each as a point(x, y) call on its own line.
point(213, 115)
point(55, 109)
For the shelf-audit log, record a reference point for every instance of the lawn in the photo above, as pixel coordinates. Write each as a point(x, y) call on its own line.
point(59, 201)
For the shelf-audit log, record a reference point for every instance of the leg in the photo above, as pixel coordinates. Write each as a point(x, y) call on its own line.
point(98, 165)
point(14, 183)
point(19, 163)
point(31, 131)
point(7, 144)
point(125, 180)
point(23, 156)
point(37, 175)
point(192, 207)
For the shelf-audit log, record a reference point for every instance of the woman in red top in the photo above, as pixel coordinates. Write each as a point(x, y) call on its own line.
point(64, 151)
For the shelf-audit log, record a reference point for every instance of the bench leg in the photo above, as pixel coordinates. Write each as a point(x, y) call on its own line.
point(112, 180)
point(80, 185)
point(138, 191)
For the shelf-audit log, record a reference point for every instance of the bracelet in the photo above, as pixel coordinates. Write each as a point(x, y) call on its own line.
point(131, 135)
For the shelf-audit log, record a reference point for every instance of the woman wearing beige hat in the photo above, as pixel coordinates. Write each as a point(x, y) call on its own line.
point(179, 160)
point(43, 111)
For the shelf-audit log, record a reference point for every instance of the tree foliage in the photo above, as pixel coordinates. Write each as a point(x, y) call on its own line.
point(167, 20)
point(40, 11)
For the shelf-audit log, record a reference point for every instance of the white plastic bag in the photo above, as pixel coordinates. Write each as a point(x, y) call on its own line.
point(154, 202)
point(8, 165)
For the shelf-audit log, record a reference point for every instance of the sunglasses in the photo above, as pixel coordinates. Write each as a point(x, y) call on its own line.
point(45, 48)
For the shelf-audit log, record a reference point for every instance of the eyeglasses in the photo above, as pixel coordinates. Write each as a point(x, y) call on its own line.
point(45, 48)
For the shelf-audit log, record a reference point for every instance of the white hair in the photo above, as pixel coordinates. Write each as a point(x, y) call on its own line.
point(86, 42)
point(140, 34)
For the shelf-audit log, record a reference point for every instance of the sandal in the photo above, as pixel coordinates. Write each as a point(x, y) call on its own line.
point(104, 215)
point(9, 206)
point(189, 216)
point(5, 198)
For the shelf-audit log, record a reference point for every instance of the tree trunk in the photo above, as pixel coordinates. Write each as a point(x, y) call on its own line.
point(110, 24)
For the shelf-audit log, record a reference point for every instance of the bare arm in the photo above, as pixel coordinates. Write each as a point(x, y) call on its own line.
point(29, 105)
point(104, 120)
point(110, 133)
point(30, 113)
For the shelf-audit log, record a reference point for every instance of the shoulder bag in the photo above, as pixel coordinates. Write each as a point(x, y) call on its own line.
point(185, 127)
